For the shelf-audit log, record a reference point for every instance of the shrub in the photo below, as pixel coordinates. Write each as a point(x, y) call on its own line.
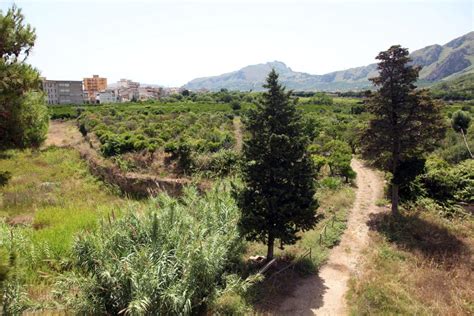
point(222, 163)
point(169, 260)
point(321, 98)
point(331, 183)
point(5, 176)
point(181, 153)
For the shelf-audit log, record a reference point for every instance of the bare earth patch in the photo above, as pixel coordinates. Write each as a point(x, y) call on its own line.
point(63, 134)
point(324, 294)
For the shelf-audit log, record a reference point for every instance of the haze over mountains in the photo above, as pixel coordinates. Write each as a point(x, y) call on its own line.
point(438, 62)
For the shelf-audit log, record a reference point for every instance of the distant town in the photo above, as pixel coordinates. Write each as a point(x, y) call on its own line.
point(95, 90)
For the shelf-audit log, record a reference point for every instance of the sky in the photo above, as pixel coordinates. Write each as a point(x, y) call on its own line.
point(171, 42)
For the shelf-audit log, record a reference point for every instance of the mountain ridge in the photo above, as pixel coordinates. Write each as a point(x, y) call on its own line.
point(438, 62)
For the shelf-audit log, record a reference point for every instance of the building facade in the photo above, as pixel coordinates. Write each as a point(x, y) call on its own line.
point(63, 91)
point(107, 96)
point(93, 86)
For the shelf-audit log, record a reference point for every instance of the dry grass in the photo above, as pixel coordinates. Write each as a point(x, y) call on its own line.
point(421, 264)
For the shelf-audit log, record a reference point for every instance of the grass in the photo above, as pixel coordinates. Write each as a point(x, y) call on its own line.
point(50, 197)
point(418, 265)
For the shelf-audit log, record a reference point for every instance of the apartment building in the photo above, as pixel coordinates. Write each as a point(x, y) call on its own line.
point(63, 91)
point(93, 86)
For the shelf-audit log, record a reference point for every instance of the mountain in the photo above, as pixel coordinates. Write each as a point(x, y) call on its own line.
point(438, 62)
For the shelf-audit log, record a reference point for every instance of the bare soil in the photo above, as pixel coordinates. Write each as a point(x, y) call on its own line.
point(324, 294)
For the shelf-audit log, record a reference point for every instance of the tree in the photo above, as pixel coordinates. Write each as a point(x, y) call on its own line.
point(339, 157)
point(406, 123)
point(321, 98)
point(460, 123)
point(235, 105)
point(23, 114)
point(278, 198)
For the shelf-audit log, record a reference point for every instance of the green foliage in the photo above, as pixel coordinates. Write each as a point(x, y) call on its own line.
point(449, 183)
point(235, 105)
point(278, 198)
point(5, 176)
point(321, 98)
point(459, 88)
point(339, 157)
point(222, 163)
point(169, 258)
point(122, 131)
point(23, 116)
point(181, 152)
point(331, 183)
point(319, 162)
point(32, 119)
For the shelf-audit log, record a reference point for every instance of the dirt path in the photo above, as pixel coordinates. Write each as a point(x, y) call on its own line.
point(324, 294)
point(63, 134)
point(238, 133)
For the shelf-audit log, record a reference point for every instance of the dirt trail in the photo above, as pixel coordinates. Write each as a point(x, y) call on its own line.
point(238, 133)
point(324, 294)
point(63, 134)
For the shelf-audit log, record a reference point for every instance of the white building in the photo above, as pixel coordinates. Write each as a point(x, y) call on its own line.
point(107, 96)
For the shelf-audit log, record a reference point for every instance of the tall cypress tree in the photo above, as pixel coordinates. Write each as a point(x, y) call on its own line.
point(406, 123)
point(278, 198)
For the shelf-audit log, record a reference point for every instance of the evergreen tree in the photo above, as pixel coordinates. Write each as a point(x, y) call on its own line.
point(278, 198)
point(23, 114)
point(460, 122)
point(406, 123)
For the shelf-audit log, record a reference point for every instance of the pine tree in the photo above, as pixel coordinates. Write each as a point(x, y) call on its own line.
point(278, 198)
point(406, 123)
point(23, 115)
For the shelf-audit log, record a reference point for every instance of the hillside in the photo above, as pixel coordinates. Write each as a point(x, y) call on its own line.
point(437, 61)
point(461, 87)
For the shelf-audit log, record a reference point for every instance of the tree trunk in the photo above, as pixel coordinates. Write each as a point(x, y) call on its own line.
point(465, 142)
point(395, 200)
point(271, 241)
point(395, 163)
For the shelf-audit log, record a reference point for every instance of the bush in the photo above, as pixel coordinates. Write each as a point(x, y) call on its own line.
point(222, 163)
point(5, 176)
point(331, 183)
point(170, 260)
point(181, 153)
point(321, 98)
point(443, 182)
